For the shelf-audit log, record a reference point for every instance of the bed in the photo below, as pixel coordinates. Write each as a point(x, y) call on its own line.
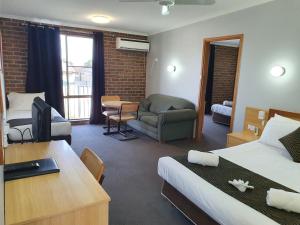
point(18, 117)
point(221, 113)
point(203, 203)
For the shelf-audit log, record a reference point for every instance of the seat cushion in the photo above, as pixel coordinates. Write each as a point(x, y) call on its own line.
point(143, 113)
point(124, 117)
point(150, 120)
point(109, 113)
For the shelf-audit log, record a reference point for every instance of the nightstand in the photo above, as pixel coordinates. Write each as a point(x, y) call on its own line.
point(238, 138)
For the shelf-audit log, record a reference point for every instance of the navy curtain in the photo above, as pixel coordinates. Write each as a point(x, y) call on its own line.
point(98, 78)
point(210, 80)
point(44, 64)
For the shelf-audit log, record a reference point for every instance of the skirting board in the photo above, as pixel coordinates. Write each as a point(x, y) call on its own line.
point(185, 206)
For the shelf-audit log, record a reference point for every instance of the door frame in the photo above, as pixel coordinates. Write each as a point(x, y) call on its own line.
point(204, 76)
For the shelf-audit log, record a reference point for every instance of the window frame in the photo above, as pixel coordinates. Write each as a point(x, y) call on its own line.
point(68, 96)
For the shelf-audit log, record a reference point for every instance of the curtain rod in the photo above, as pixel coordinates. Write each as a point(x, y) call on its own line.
point(67, 29)
point(74, 30)
point(38, 24)
point(63, 29)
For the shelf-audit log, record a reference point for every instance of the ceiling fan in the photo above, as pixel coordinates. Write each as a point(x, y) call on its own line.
point(167, 4)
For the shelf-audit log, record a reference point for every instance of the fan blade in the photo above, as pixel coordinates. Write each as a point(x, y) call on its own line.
point(137, 0)
point(195, 2)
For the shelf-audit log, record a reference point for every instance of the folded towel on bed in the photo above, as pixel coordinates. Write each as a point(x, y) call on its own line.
point(241, 185)
point(285, 200)
point(203, 158)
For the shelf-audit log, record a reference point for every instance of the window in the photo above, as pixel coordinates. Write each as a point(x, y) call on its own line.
point(77, 57)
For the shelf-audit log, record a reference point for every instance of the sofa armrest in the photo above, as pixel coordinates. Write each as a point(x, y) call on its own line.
point(177, 115)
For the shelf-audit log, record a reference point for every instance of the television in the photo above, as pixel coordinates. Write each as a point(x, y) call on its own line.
point(41, 120)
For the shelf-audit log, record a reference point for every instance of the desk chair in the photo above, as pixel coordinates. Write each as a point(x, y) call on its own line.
point(128, 111)
point(94, 164)
point(106, 111)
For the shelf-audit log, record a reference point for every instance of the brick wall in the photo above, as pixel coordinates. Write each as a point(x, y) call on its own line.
point(14, 42)
point(125, 71)
point(224, 73)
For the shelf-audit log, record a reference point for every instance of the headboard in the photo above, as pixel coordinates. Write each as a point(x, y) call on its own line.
point(292, 115)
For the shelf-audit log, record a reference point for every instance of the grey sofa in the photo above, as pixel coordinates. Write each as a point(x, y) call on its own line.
point(165, 118)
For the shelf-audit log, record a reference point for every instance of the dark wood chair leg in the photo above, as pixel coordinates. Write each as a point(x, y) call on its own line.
point(108, 125)
point(119, 126)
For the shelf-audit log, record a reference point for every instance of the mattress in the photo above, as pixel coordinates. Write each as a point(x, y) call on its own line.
point(57, 129)
point(221, 109)
point(272, 163)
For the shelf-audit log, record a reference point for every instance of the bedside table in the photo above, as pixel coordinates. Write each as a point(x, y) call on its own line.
point(238, 138)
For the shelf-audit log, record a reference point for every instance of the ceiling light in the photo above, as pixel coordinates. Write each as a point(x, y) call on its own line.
point(101, 19)
point(171, 68)
point(277, 71)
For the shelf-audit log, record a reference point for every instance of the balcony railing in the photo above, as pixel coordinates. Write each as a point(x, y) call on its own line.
point(77, 107)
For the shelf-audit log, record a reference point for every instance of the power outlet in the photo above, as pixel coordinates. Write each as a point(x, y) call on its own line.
point(251, 127)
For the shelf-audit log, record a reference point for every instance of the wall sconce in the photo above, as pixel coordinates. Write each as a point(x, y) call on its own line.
point(262, 117)
point(277, 71)
point(171, 68)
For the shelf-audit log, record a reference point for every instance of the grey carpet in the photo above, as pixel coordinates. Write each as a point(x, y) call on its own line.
point(214, 137)
point(131, 175)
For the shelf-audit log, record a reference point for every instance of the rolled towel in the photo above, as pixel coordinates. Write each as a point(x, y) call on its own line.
point(285, 200)
point(203, 158)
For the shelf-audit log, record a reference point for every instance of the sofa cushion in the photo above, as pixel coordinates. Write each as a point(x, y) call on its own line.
point(161, 103)
point(143, 113)
point(150, 120)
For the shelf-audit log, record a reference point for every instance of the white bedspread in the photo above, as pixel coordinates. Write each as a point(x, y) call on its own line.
point(272, 163)
point(57, 129)
point(221, 109)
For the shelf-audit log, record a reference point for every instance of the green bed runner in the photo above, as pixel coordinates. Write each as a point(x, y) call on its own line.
point(256, 199)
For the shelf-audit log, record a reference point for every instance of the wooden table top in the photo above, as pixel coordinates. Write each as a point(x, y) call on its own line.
point(114, 104)
point(34, 198)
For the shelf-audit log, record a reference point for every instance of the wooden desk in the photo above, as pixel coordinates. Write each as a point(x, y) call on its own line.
point(71, 197)
point(114, 104)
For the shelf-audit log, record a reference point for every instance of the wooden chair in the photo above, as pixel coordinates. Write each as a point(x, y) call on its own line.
point(128, 111)
point(106, 111)
point(94, 164)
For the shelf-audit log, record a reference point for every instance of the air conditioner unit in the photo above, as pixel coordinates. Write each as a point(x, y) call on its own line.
point(133, 44)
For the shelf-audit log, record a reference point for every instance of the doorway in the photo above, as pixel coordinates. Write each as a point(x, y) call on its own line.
point(218, 87)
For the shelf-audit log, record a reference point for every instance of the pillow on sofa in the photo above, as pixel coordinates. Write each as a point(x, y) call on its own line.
point(23, 101)
point(292, 143)
point(172, 108)
point(145, 105)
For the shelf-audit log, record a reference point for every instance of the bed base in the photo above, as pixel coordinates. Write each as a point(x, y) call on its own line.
point(220, 118)
point(67, 138)
point(185, 206)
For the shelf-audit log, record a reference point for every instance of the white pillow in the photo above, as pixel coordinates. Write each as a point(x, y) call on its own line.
point(276, 129)
point(23, 101)
point(285, 119)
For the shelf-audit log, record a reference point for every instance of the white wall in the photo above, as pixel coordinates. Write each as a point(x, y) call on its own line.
point(272, 36)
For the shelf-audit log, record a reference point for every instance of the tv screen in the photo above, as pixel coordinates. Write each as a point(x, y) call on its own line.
point(41, 120)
